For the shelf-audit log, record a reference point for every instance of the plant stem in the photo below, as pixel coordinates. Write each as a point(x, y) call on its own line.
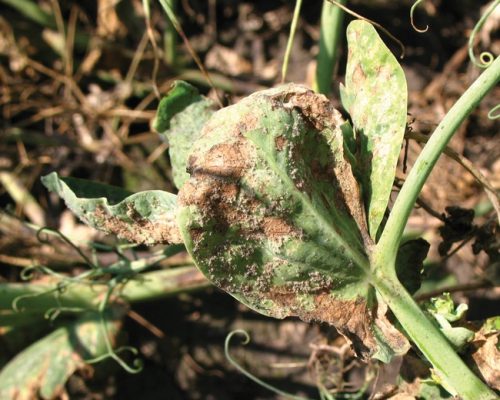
point(148, 286)
point(387, 247)
point(291, 37)
point(332, 18)
point(449, 367)
point(170, 39)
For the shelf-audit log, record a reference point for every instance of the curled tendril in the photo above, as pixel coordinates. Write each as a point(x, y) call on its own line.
point(52, 313)
point(28, 273)
point(15, 302)
point(485, 58)
point(233, 362)
point(66, 240)
point(412, 12)
point(137, 364)
point(492, 115)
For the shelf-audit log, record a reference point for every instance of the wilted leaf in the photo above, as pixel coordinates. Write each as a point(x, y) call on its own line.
point(41, 370)
point(180, 118)
point(486, 352)
point(409, 263)
point(375, 96)
point(273, 215)
point(146, 217)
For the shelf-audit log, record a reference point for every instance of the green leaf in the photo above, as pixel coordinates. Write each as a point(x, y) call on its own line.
point(180, 119)
point(272, 214)
point(375, 95)
point(444, 306)
point(444, 312)
point(147, 217)
point(41, 370)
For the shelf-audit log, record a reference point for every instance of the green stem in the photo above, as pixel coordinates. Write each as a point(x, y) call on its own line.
point(291, 37)
point(170, 39)
point(148, 286)
point(387, 247)
point(332, 18)
point(449, 367)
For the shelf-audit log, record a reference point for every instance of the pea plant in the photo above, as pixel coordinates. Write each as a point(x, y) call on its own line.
point(283, 204)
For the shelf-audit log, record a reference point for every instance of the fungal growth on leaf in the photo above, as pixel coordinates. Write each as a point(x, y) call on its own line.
point(273, 214)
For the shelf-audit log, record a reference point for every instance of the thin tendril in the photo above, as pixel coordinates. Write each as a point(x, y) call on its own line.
point(348, 11)
point(412, 12)
point(485, 58)
point(291, 37)
point(137, 363)
point(15, 302)
point(260, 382)
point(492, 115)
point(65, 239)
point(52, 313)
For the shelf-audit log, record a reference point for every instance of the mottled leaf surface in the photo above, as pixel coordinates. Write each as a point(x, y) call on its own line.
point(272, 214)
point(180, 118)
point(375, 95)
point(147, 217)
point(41, 370)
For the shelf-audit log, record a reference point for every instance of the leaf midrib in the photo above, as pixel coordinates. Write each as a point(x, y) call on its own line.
point(358, 258)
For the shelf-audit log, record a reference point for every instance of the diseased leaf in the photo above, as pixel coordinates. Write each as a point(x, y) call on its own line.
point(375, 95)
point(272, 214)
point(409, 263)
point(180, 118)
point(147, 217)
point(41, 370)
point(485, 352)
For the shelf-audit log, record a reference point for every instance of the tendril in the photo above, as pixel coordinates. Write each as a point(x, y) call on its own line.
point(52, 313)
point(492, 115)
point(137, 364)
point(376, 24)
point(66, 240)
point(15, 302)
point(234, 363)
point(485, 58)
point(28, 273)
point(412, 12)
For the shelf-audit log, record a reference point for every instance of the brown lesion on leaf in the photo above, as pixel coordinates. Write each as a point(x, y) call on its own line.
point(321, 114)
point(280, 142)
point(358, 75)
point(316, 108)
point(275, 227)
point(229, 160)
point(352, 318)
point(140, 230)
